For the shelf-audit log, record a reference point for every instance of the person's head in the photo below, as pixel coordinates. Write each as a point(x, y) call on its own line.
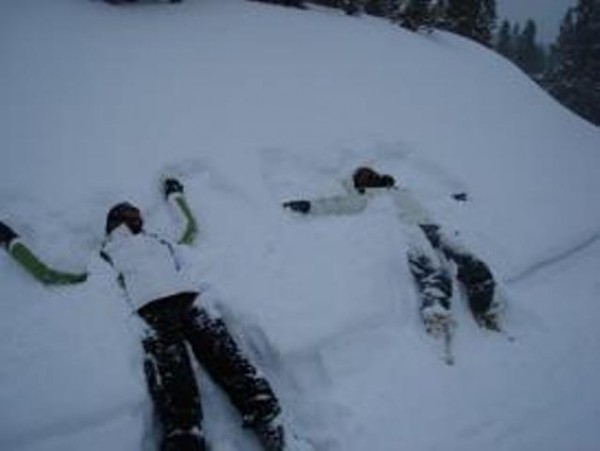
point(365, 177)
point(124, 213)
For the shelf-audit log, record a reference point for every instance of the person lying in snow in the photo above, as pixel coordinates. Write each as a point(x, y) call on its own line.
point(428, 247)
point(148, 271)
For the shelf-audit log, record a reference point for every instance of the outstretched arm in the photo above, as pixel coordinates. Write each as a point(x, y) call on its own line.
point(336, 205)
point(173, 190)
point(32, 264)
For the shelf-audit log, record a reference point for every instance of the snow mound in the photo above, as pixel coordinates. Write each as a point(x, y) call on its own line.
point(250, 105)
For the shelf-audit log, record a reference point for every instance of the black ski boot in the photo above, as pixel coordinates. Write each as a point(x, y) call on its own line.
point(184, 441)
point(480, 288)
point(271, 436)
point(267, 426)
point(491, 318)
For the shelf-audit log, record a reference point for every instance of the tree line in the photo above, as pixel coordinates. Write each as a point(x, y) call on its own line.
point(568, 69)
point(474, 19)
point(573, 73)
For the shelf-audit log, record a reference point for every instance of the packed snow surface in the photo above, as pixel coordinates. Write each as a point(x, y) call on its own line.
point(252, 104)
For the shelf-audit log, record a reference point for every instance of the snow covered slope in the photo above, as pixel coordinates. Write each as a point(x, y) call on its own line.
point(251, 104)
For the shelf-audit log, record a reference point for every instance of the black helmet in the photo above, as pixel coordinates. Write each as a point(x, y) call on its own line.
point(365, 177)
point(124, 213)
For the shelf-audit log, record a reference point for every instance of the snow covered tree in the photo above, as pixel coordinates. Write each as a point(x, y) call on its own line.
point(522, 48)
point(486, 21)
point(416, 14)
point(575, 77)
point(350, 7)
point(528, 54)
point(504, 40)
point(460, 15)
point(377, 8)
point(438, 11)
point(474, 19)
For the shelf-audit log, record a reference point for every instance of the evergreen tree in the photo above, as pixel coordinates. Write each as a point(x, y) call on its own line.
point(474, 19)
point(486, 21)
point(575, 76)
point(416, 14)
point(529, 55)
point(462, 15)
point(504, 43)
point(329, 3)
point(439, 13)
point(350, 7)
point(379, 8)
point(515, 34)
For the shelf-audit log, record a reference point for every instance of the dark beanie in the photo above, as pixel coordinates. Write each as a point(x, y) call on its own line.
point(115, 218)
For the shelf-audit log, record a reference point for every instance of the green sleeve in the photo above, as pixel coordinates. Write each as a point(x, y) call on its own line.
point(39, 270)
point(191, 226)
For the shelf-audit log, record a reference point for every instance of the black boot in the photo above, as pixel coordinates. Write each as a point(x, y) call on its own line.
point(270, 435)
point(479, 285)
point(184, 441)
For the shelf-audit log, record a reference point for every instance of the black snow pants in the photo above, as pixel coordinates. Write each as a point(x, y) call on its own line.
point(175, 324)
point(474, 275)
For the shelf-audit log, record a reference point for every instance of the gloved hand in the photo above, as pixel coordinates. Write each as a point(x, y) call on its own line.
point(299, 206)
point(6, 234)
point(172, 185)
point(387, 181)
point(460, 197)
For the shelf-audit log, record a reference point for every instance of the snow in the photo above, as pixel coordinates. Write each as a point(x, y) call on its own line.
point(250, 105)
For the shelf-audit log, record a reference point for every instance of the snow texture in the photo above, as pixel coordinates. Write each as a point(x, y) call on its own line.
point(252, 104)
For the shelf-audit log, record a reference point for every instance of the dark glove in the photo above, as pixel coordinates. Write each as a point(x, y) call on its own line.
point(387, 181)
point(172, 185)
point(300, 206)
point(460, 197)
point(6, 234)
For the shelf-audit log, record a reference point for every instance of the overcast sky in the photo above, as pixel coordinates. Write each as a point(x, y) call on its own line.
point(547, 14)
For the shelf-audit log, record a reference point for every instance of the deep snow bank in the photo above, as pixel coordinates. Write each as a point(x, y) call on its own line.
point(252, 104)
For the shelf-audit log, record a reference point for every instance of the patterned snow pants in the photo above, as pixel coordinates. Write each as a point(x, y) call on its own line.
point(474, 275)
point(176, 324)
point(434, 284)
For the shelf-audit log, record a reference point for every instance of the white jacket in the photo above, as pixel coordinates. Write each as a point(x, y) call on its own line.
point(146, 265)
point(409, 210)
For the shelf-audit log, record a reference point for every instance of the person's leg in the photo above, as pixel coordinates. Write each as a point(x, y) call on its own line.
point(480, 288)
point(432, 233)
point(473, 274)
point(248, 391)
point(434, 286)
point(171, 383)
